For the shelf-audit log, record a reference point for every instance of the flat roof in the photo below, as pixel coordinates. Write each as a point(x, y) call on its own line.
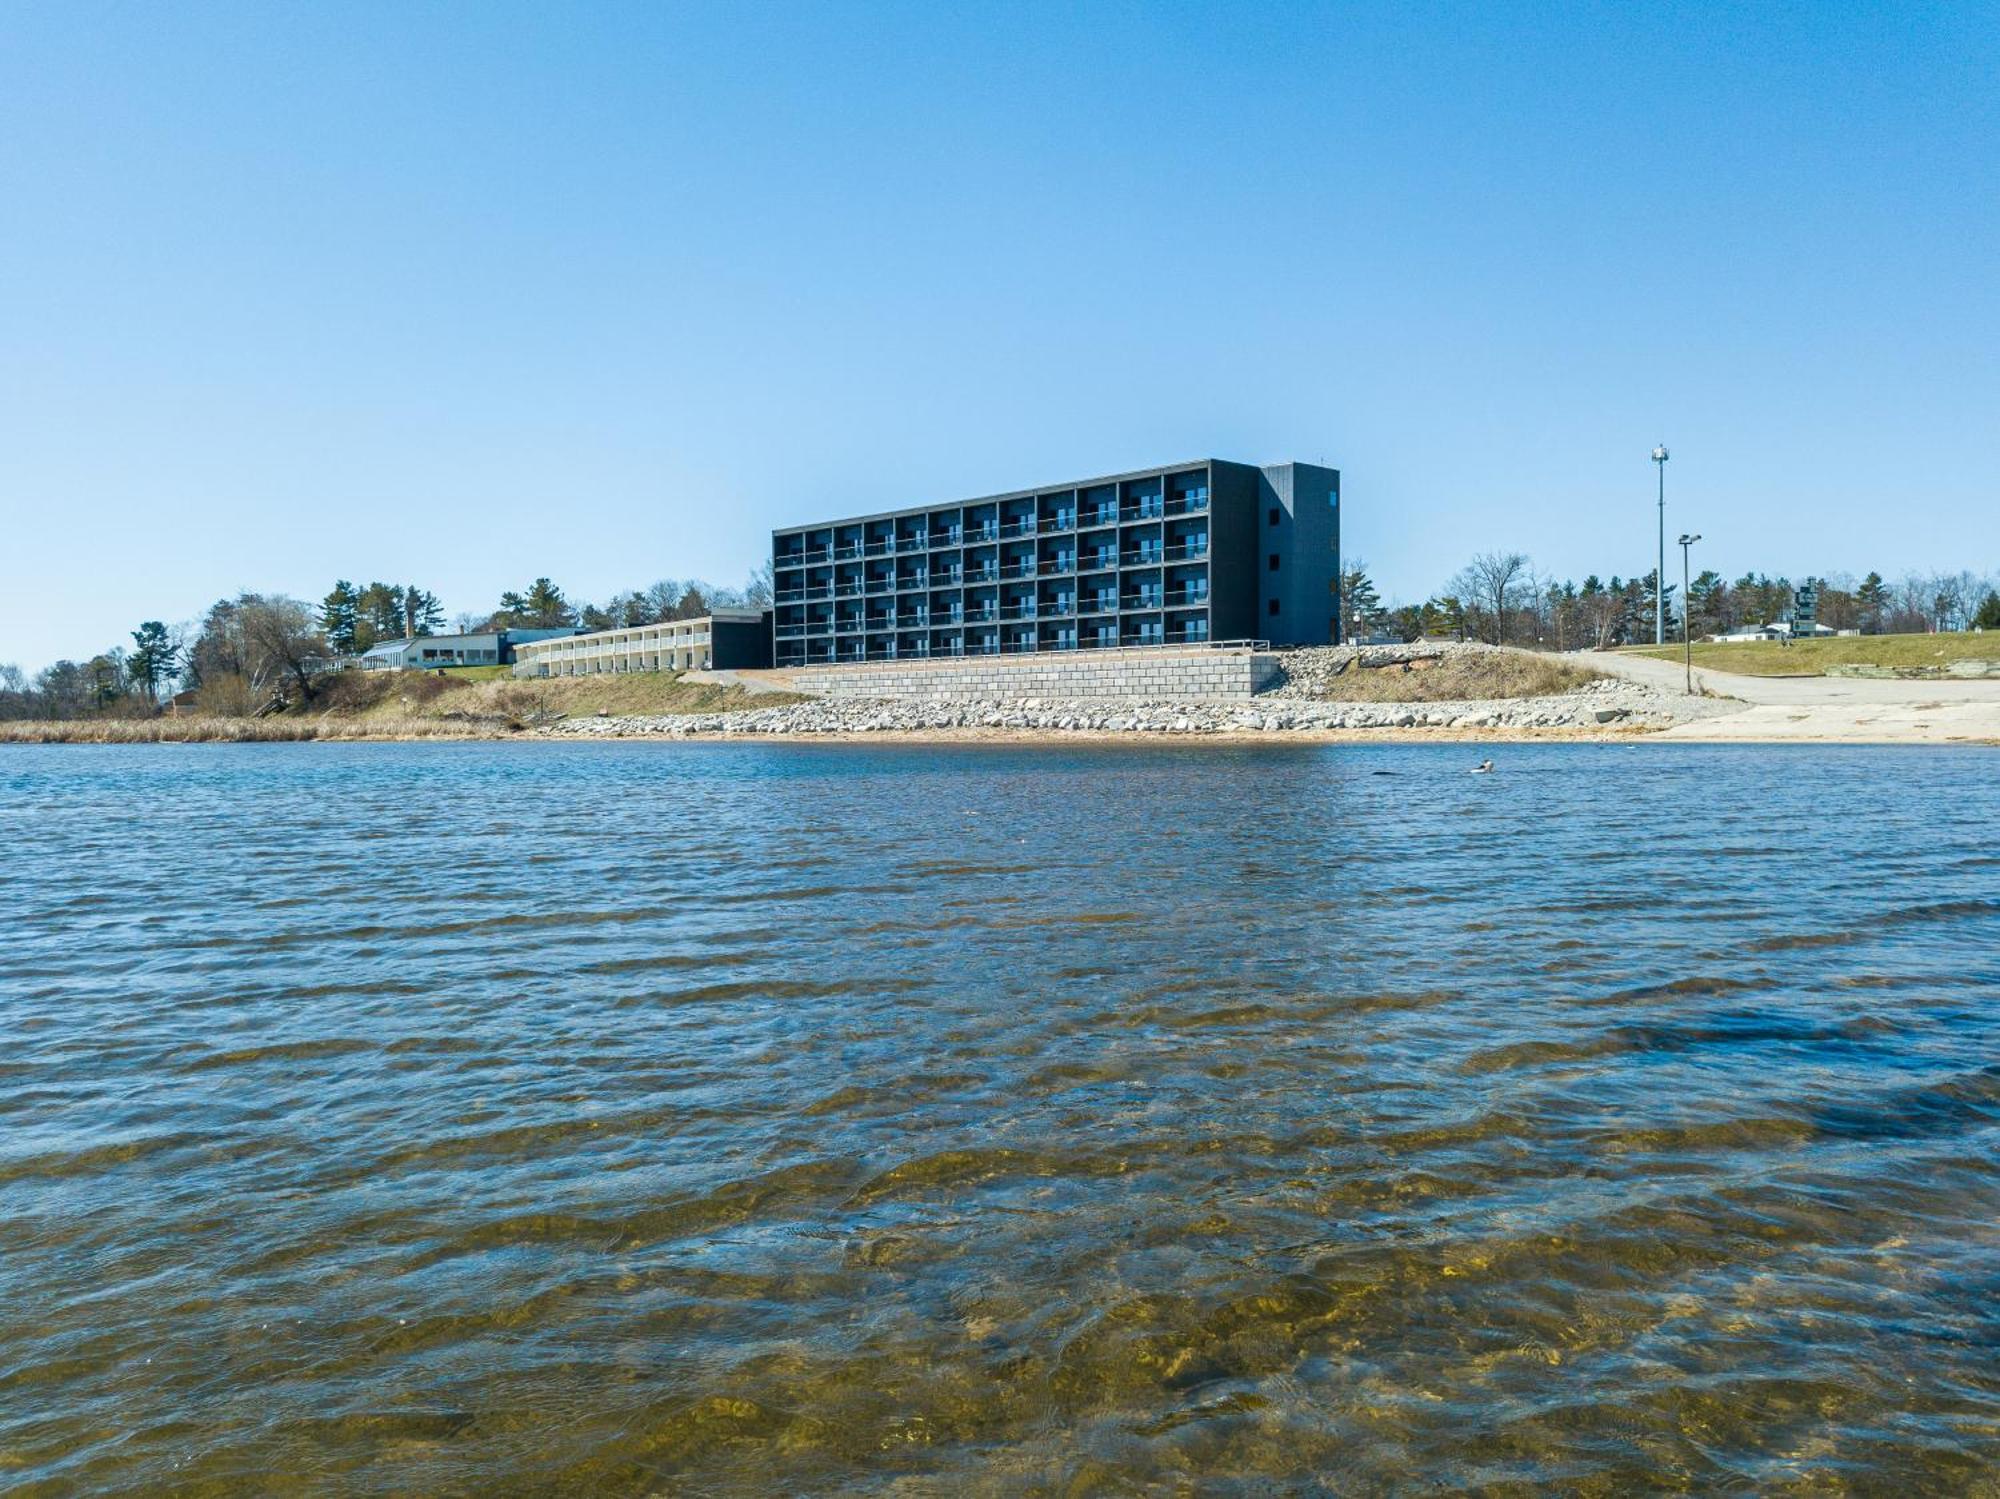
point(690, 625)
point(1157, 470)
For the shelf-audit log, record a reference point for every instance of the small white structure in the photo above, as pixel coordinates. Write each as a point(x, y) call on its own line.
point(427, 652)
point(1782, 629)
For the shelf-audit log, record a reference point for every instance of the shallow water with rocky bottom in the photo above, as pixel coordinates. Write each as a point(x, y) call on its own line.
point(714, 1118)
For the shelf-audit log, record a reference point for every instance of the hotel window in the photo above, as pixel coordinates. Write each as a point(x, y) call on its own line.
point(1274, 562)
point(1276, 513)
point(1274, 606)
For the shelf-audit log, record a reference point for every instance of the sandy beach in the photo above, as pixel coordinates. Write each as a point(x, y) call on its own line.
point(1821, 710)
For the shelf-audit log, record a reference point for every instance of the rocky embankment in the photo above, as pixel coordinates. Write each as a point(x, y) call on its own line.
point(1322, 690)
point(1601, 706)
point(1317, 672)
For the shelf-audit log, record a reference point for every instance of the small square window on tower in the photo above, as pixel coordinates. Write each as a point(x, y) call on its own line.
point(1276, 513)
point(1274, 606)
point(1274, 562)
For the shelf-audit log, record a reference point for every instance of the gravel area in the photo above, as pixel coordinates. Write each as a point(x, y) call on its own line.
point(1605, 706)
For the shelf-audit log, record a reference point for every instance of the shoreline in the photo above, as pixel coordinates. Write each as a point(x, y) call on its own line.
point(85, 734)
point(1627, 701)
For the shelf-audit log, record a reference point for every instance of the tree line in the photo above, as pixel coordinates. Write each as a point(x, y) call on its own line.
point(246, 652)
point(1500, 597)
point(542, 605)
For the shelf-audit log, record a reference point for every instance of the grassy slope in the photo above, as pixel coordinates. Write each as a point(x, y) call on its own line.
point(359, 705)
point(1462, 675)
point(408, 694)
point(1812, 657)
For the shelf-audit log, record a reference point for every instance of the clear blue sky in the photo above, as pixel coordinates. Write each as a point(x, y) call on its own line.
point(459, 294)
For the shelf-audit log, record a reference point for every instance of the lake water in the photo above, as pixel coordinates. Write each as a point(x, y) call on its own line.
point(711, 1118)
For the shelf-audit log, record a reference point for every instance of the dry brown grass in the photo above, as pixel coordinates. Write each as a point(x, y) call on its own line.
point(1461, 675)
point(545, 698)
point(202, 728)
point(1767, 658)
point(410, 705)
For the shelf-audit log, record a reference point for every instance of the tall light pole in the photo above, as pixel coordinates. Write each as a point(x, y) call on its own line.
point(1660, 572)
point(1687, 634)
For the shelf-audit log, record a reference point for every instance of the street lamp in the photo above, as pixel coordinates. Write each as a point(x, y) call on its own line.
point(1687, 634)
point(1660, 572)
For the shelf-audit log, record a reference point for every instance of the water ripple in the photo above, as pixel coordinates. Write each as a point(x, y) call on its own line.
point(669, 1118)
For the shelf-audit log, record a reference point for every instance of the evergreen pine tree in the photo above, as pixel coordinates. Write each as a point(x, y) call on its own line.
point(339, 618)
point(544, 606)
point(422, 613)
point(379, 615)
point(1872, 597)
point(152, 658)
point(1358, 596)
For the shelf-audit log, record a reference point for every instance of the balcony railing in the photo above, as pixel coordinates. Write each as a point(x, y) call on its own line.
point(796, 654)
point(1154, 556)
point(1141, 510)
point(1142, 601)
point(1106, 515)
point(1019, 528)
point(1055, 566)
point(1188, 504)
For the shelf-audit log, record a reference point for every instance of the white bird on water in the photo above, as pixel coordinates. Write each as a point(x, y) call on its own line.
point(1482, 767)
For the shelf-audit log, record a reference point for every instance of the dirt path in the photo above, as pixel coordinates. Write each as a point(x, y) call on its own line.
point(1857, 710)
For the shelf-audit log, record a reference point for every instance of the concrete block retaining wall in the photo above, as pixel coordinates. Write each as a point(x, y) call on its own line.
point(1211, 675)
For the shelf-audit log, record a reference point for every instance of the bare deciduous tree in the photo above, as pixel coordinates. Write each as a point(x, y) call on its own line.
point(1494, 584)
point(279, 637)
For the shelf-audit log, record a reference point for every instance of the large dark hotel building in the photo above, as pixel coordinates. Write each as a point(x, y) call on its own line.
point(1187, 554)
